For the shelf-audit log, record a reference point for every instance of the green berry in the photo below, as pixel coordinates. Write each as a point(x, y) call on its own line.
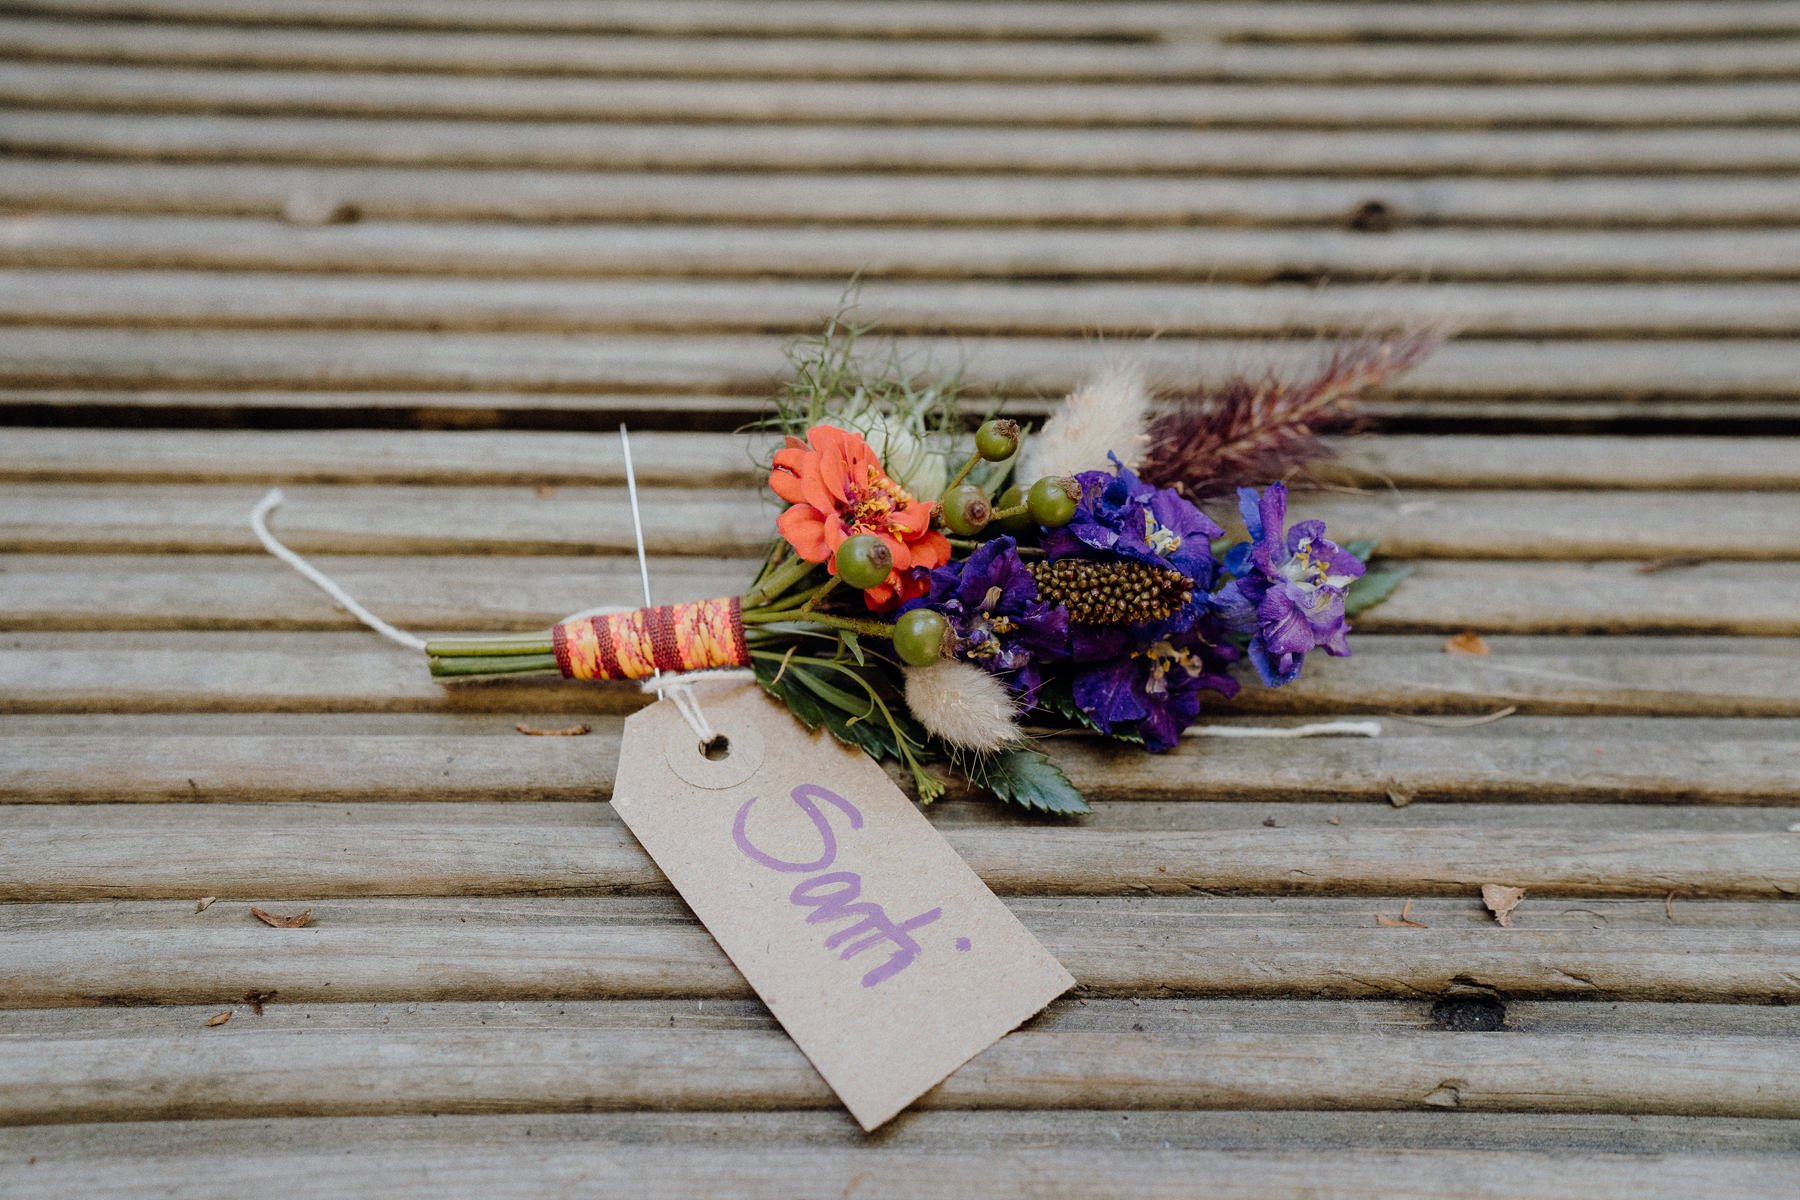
point(1052, 500)
point(966, 509)
point(919, 637)
point(1019, 523)
point(864, 561)
point(997, 440)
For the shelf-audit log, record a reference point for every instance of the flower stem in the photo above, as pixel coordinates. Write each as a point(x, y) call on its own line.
point(776, 582)
point(486, 647)
point(831, 620)
point(1002, 514)
point(964, 473)
point(491, 664)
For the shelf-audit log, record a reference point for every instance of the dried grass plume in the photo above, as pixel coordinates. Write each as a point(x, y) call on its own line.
point(1109, 414)
point(962, 704)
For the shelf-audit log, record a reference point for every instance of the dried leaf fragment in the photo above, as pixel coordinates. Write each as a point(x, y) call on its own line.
point(256, 1000)
point(1676, 562)
point(1467, 642)
point(218, 1018)
point(1399, 799)
point(569, 731)
point(1403, 921)
point(204, 903)
point(1501, 900)
point(279, 922)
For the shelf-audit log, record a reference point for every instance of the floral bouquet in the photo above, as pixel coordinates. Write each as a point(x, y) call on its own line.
point(933, 599)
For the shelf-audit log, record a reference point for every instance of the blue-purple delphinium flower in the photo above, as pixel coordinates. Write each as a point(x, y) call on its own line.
point(1154, 691)
point(1121, 514)
point(1289, 585)
point(999, 623)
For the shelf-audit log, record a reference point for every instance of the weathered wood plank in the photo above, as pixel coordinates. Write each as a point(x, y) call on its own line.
point(314, 850)
point(621, 145)
point(143, 90)
point(68, 593)
point(221, 360)
point(323, 672)
point(795, 55)
point(463, 1066)
point(51, 518)
point(260, 189)
point(837, 252)
point(365, 456)
point(1484, 1156)
point(274, 758)
point(254, 300)
point(997, 20)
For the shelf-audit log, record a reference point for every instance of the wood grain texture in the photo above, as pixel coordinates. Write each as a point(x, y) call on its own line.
point(588, 458)
point(459, 1065)
point(447, 757)
point(256, 300)
point(819, 147)
point(324, 672)
point(797, 55)
point(1485, 1155)
point(998, 19)
point(837, 252)
point(448, 193)
point(716, 522)
point(308, 851)
point(144, 90)
point(55, 593)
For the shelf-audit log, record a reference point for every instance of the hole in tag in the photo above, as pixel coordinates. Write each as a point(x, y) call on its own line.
point(731, 757)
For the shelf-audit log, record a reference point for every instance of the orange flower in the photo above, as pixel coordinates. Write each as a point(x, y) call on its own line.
point(836, 489)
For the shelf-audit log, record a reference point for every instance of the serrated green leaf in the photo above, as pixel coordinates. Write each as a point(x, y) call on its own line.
point(1029, 779)
point(1374, 587)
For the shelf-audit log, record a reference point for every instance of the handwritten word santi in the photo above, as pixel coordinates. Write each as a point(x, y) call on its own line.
point(836, 896)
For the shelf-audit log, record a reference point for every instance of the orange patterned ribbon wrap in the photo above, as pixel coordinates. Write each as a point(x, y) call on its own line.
point(668, 637)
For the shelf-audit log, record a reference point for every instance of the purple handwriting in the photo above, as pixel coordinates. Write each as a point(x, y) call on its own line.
point(837, 895)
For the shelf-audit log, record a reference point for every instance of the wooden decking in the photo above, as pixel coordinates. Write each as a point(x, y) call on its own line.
point(415, 259)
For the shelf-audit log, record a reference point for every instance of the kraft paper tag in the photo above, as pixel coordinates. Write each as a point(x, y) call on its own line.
point(880, 952)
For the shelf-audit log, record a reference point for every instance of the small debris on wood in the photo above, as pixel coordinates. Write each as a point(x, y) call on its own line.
point(256, 1000)
point(567, 731)
point(1271, 823)
point(1399, 799)
point(204, 903)
point(315, 208)
point(1334, 820)
point(1467, 642)
point(1501, 900)
point(218, 1019)
point(279, 922)
point(1403, 921)
point(1669, 906)
point(545, 490)
point(1675, 562)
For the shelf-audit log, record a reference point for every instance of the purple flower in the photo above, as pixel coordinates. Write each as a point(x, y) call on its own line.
point(1154, 691)
point(1289, 585)
point(1120, 514)
point(991, 602)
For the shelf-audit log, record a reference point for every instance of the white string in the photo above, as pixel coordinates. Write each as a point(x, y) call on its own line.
point(1366, 729)
point(259, 524)
point(678, 687)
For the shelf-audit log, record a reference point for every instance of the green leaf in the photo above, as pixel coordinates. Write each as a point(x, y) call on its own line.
point(1374, 587)
point(854, 645)
point(1363, 548)
point(1029, 779)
